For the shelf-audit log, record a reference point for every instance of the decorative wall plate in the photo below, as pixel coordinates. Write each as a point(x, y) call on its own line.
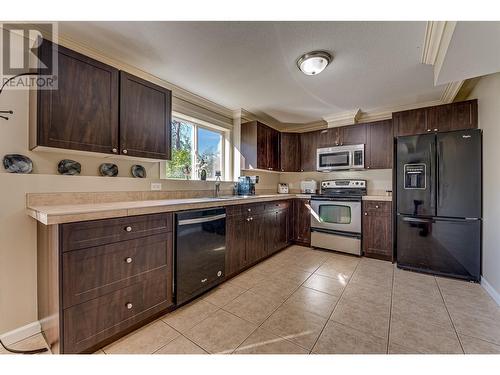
point(16, 163)
point(138, 171)
point(69, 167)
point(108, 170)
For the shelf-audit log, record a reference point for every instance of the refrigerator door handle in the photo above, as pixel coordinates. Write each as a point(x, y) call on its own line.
point(439, 166)
point(415, 220)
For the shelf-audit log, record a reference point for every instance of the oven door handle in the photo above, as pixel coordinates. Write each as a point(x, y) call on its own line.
point(337, 232)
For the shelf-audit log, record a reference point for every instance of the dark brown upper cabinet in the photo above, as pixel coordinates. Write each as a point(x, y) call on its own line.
point(379, 146)
point(410, 122)
point(454, 116)
point(309, 142)
point(82, 114)
point(260, 146)
point(352, 134)
point(100, 109)
point(441, 118)
point(290, 152)
point(145, 116)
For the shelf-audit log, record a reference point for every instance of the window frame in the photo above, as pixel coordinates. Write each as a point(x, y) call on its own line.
point(196, 123)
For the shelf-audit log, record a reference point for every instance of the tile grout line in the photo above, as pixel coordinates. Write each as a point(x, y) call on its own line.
point(336, 304)
point(180, 334)
point(282, 303)
point(449, 315)
point(390, 311)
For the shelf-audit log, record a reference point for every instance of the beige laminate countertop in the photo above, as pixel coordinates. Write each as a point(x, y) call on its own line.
point(68, 213)
point(377, 198)
point(58, 214)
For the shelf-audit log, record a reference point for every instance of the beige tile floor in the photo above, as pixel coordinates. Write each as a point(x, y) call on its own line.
point(304, 301)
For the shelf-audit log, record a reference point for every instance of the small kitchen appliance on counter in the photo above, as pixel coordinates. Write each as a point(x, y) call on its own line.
point(336, 216)
point(246, 185)
point(308, 186)
point(283, 188)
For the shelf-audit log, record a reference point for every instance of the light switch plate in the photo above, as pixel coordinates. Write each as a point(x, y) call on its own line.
point(155, 185)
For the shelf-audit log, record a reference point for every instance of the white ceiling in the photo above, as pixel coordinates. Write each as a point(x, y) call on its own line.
point(251, 65)
point(474, 51)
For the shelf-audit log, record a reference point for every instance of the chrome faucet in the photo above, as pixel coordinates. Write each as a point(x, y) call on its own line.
point(217, 184)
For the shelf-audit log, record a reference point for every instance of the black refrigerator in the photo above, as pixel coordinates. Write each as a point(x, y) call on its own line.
point(439, 203)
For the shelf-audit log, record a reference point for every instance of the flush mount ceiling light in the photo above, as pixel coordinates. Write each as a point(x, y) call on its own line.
point(314, 62)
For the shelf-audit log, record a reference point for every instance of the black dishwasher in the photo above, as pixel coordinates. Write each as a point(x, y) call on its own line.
point(200, 252)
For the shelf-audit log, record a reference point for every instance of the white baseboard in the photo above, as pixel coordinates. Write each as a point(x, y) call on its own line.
point(21, 333)
point(490, 290)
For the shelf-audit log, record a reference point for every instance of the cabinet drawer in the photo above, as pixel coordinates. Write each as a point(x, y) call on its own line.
point(281, 205)
point(89, 323)
point(377, 206)
point(95, 271)
point(101, 232)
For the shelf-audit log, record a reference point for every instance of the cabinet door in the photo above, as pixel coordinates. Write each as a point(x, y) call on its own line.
point(379, 147)
point(454, 116)
point(329, 137)
point(256, 247)
point(290, 152)
point(282, 228)
point(262, 156)
point(308, 144)
point(236, 234)
point(377, 230)
point(302, 221)
point(145, 116)
point(352, 134)
point(82, 114)
point(410, 122)
point(273, 149)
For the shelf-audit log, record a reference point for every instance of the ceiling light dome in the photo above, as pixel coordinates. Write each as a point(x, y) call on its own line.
point(314, 62)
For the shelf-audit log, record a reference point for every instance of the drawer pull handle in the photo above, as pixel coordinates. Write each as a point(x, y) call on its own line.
point(128, 229)
point(128, 260)
point(249, 210)
point(366, 213)
point(125, 152)
point(204, 280)
point(129, 305)
point(376, 206)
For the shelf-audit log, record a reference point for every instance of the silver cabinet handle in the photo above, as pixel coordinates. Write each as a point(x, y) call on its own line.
point(428, 130)
point(128, 229)
point(204, 280)
point(366, 213)
point(435, 130)
point(115, 150)
point(376, 206)
point(129, 305)
point(251, 218)
point(249, 210)
point(128, 260)
point(248, 219)
point(125, 152)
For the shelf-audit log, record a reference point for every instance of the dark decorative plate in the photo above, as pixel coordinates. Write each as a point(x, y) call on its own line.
point(138, 171)
point(15, 163)
point(69, 167)
point(108, 170)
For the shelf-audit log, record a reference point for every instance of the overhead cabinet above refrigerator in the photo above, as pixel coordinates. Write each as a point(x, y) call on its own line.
point(439, 203)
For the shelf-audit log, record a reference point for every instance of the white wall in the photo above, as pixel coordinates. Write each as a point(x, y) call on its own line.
point(487, 91)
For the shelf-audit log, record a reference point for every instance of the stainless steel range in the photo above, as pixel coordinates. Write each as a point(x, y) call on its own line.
point(336, 216)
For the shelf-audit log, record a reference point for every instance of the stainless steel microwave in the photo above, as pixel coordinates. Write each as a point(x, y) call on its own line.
point(340, 157)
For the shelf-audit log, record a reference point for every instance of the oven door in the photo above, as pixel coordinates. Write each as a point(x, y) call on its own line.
point(330, 159)
point(336, 215)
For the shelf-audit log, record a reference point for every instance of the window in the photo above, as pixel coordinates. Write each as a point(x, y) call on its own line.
point(196, 151)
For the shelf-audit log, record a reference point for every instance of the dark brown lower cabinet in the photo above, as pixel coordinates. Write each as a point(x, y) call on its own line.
point(377, 230)
point(253, 232)
point(302, 221)
point(99, 279)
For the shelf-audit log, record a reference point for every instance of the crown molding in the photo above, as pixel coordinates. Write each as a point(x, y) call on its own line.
point(449, 29)
point(259, 116)
point(341, 119)
point(301, 128)
point(433, 35)
point(451, 91)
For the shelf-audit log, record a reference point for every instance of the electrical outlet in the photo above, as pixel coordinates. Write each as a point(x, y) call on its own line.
point(155, 185)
